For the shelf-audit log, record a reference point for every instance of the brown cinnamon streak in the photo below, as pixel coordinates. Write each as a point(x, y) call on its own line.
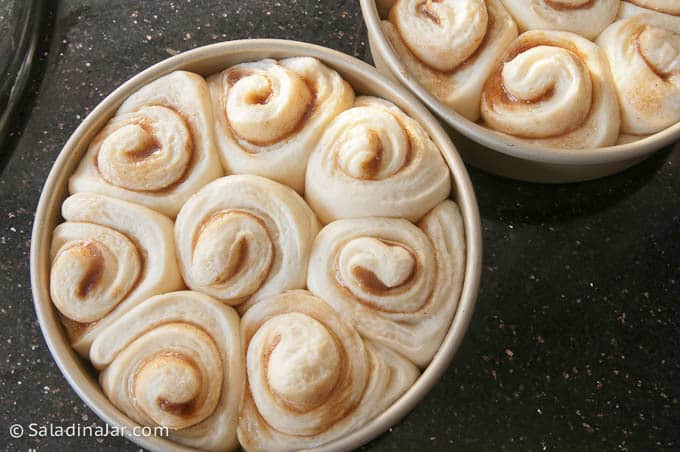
point(145, 152)
point(559, 6)
point(235, 263)
point(94, 272)
point(182, 409)
point(370, 168)
point(425, 10)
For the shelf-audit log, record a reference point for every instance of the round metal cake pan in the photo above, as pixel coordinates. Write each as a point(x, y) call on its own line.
point(207, 60)
point(500, 154)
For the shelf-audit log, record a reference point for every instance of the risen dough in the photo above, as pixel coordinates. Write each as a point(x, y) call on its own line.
point(157, 150)
point(584, 17)
point(398, 283)
point(269, 115)
point(553, 89)
point(644, 55)
point(311, 378)
point(374, 160)
point(244, 237)
point(107, 257)
point(450, 47)
point(175, 360)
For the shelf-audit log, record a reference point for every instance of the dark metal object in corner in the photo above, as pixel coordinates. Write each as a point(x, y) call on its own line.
point(20, 25)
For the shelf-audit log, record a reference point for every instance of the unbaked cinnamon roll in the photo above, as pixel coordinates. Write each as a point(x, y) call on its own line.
point(396, 282)
point(157, 150)
point(106, 258)
point(631, 8)
point(311, 378)
point(374, 160)
point(553, 89)
point(450, 46)
point(269, 115)
point(644, 55)
point(584, 17)
point(175, 361)
point(243, 237)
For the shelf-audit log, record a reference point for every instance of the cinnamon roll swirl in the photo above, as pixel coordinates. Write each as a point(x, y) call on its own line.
point(374, 160)
point(157, 150)
point(396, 282)
point(553, 89)
point(106, 258)
point(451, 46)
point(311, 378)
point(631, 8)
point(175, 361)
point(269, 115)
point(584, 17)
point(244, 237)
point(644, 55)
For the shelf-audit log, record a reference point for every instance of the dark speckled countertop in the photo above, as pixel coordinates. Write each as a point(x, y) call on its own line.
point(575, 342)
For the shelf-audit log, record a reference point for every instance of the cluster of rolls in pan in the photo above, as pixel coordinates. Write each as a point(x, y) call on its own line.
point(259, 258)
point(569, 74)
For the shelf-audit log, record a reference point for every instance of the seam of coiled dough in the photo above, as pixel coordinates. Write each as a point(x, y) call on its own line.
point(374, 160)
point(669, 7)
point(584, 17)
point(311, 378)
point(244, 237)
point(158, 149)
point(644, 56)
point(460, 84)
point(284, 104)
point(629, 9)
point(553, 89)
point(172, 347)
point(80, 247)
point(396, 282)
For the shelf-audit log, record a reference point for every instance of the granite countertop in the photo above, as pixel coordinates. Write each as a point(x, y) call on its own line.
point(575, 341)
